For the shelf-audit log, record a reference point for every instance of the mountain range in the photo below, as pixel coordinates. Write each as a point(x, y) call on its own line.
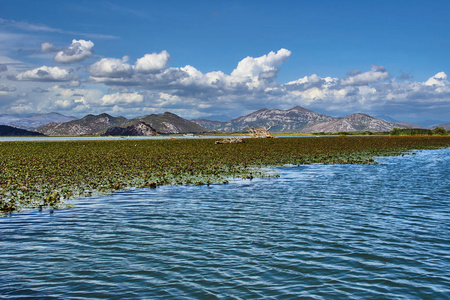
point(33, 121)
point(299, 119)
point(166, 123)
point(296, 119)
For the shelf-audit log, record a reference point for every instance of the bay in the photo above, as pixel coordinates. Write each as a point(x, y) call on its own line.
point(317, 231)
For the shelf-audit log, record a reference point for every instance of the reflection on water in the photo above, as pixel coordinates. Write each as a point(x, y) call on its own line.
point(320, 231)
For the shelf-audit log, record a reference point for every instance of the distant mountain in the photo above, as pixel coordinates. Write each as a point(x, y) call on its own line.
point(386, 118)
point(221, 118)
point(6, 130)
point(166, 123)
point(34, 121)
point(445, 126)
point(139, 129)
point(90, 124)
point(292, 120)
point(354, 122)
point(405, 125)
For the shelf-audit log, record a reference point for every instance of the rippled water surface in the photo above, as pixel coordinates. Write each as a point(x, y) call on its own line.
point(318, 231)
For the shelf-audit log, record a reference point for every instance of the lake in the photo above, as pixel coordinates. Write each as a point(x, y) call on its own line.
point(317, 231)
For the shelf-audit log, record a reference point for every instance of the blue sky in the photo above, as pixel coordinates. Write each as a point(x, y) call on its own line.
point(209, 58)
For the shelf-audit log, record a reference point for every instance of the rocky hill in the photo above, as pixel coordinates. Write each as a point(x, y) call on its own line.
point(445, 126)
point(33, 121)
point(354, 122)
point(6, 130)
point(166, 123)
point(90, 124)
point(292, 120)
point(139, 129)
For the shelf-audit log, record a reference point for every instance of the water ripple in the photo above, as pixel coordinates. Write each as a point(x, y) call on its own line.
point(318, 231)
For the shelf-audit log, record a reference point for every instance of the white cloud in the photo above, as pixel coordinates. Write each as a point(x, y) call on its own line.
point(251, 74)
point(121, 98)
point(110, 68)
point(266, 66)
point(152, 63)
point(148, 85)
point(376, 74)
point(440, 79)
point(45, 73)
point(78, 51)
point(48, 47)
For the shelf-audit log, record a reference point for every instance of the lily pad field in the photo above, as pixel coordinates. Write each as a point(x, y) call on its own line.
point(44, 174)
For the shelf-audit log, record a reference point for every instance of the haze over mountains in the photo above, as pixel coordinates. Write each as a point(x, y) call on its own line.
point(33, 121)
point(296, 119)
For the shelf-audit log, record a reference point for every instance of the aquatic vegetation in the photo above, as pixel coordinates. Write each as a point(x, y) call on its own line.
point(45, 174)
point(418, 131)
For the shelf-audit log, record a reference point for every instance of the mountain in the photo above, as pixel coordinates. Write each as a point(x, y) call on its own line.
point(90, 124)
point(166, 123)
point(354, 122)
point(405, 125)
point(6, 130)
point(445, 126)
point(139, 129)
point(34, 121)
point(292, 120)
point(386, 118)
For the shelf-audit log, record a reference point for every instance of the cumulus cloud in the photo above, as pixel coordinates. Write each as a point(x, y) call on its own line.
point(110, 68)
point(376, 74)
point(148, 85)
point(150, 72)
point(440, 79)
point(3, 68)
point(48, 47)
point(121, 98)
point(266, 66)
point(308, 82)
point(45, 73)
point(152, 63)
point(78, 51)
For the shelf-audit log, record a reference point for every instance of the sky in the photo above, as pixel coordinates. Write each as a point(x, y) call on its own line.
point(223, 59)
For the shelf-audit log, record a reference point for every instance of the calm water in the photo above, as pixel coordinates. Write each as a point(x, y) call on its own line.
point(318, 231)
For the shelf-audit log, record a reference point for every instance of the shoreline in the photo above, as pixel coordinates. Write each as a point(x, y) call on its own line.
point(39, 174)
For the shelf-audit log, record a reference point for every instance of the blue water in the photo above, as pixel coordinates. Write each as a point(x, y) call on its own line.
point(318, 232)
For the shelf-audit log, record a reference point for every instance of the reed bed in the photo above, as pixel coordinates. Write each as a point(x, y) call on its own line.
point(46, 174)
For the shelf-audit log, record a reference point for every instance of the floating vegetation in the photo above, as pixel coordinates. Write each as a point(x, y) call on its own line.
point(45, 174)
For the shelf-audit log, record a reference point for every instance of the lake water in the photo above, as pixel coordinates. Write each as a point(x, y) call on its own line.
point(318, 231)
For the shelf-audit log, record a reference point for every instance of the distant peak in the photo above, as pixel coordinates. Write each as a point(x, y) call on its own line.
point(104, 115)
point(299, 108)
point(359, 115)
point(169, 114)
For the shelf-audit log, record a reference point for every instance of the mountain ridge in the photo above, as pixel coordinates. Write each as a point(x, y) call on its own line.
point(296, 119)
point(166, 123)
point(34, 121)
point(291, 120)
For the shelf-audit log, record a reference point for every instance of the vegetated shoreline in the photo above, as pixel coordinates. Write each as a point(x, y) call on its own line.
point(35, 174)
